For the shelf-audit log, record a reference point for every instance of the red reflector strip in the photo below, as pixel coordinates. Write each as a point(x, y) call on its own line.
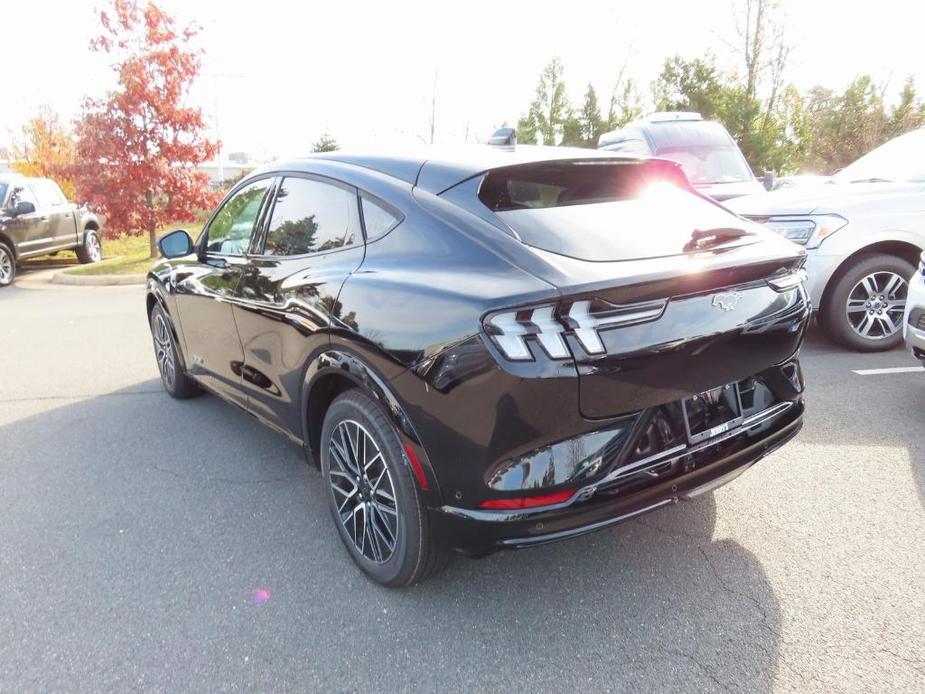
point(529, 501)
point(417, 467)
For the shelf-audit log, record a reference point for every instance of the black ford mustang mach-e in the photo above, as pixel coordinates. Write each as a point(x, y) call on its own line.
point(494, 348)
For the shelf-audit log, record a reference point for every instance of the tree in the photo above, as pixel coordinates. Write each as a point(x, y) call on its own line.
point(47, 150)
point(589, 119)
point(550, 110)
point(327, 143)
point(625, 104)
point(139, 147)
point(689, 85)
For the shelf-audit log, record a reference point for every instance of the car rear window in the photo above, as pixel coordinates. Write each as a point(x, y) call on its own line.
point(602, 210)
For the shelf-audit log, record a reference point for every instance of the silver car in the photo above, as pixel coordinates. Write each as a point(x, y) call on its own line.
point(914, 327)
point(863, 230)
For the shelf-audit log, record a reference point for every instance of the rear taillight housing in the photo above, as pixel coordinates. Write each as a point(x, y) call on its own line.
point(547, 326)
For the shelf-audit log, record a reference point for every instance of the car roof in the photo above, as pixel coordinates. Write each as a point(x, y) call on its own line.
point(435, 169)
point(672, 133)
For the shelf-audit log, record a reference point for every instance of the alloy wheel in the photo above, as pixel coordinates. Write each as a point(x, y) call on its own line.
point(363, 491)
point(94, 249)
point(876, 305)
point(6, 267)
point(163, 349)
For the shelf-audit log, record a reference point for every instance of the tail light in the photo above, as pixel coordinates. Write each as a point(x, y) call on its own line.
point(547, 325)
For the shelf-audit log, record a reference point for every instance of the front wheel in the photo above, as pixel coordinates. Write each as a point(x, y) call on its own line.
point(865, 308)
point(173, 377)
point(7, 265)
point(92, 249)
point(372, 494)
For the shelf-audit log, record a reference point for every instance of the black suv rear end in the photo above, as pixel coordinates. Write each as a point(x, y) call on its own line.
point(660, 363)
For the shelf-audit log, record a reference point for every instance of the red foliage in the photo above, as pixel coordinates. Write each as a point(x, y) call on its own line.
point(138, 147)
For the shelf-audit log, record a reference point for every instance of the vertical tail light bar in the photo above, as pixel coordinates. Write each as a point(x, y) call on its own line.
point(548, 325)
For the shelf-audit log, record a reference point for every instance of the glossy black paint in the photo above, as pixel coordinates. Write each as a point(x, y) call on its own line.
point(402, 317)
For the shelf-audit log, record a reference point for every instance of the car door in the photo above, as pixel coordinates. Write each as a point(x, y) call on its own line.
point(31, 232)
point(205, 289)
point(286, 302)
point(61, 223)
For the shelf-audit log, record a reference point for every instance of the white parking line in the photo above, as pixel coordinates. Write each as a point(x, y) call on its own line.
point(894, 370)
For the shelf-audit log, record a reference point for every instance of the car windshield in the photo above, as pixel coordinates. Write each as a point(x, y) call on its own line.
point(2, 192)
point(705, 164)
point(900, 159)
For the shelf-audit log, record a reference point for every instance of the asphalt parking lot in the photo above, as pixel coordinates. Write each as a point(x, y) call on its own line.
point(177, 546)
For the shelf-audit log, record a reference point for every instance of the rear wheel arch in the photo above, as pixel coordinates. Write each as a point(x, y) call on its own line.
point(336, 371)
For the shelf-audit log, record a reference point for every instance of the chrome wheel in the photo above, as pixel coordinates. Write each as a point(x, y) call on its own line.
point(94, 248)
point(6, 267)
point(363, 491)
point(163, 350)
point(876, 305)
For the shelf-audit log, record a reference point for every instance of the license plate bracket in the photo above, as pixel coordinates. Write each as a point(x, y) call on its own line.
point(712, 412)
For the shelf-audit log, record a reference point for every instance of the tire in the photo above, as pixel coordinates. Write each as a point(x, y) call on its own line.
point(174, 379)
point(356, 428)
point(874, 324)
point(92, 249)
point(7, 265)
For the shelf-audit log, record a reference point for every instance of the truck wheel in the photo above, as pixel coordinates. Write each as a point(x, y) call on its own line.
point(865, 309)
point(7, 265)
point(92, 250)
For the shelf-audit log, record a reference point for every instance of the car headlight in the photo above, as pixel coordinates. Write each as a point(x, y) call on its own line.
point(807, 231)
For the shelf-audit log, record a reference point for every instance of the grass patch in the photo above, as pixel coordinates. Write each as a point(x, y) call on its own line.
point(124, 255)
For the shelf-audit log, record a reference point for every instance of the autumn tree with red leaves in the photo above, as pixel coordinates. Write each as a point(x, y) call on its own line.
point(138, 148)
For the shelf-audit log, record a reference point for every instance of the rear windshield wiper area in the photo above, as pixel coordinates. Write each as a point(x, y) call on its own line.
point(707, 238)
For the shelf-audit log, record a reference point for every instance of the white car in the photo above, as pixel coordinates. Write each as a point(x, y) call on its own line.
point(864, 232)
point(914, 326)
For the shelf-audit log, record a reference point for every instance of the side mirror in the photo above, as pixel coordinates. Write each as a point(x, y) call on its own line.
point(23, 207)
point(770, 178)
point(176, 244)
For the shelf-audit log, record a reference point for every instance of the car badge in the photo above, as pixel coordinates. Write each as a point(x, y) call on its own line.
point(726, 302)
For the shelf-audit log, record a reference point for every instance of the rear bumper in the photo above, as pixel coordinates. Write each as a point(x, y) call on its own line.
point(479, 532)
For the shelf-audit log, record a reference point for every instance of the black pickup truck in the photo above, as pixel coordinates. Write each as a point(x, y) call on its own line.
point(36, 219)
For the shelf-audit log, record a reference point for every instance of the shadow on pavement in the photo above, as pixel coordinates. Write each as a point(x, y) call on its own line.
point(138, 531)
point(875, 411)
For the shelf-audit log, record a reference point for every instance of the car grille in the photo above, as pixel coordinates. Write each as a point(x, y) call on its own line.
point(921, 322)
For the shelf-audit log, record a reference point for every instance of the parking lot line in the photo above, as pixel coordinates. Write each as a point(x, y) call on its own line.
point(894, 370)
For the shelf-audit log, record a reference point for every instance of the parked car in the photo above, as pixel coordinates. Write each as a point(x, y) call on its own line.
point(487, 350)
point(36, 219)
point(863, 233)
point(914, 325)
point(705, 150)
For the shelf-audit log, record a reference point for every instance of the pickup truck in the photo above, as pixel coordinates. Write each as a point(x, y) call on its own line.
point(36, 219)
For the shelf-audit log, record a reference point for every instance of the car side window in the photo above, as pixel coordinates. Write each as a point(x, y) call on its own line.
point(310, 217)
point(230, 230)
point(23, 194)
point(377, 220)
point(47, 193)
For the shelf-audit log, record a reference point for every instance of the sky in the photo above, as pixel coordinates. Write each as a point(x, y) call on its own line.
point(277, 74)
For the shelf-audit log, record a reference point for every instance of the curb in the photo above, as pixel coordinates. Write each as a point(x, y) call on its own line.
point(96, 280)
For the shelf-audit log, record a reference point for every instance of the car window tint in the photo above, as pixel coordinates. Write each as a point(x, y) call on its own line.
point(230, 230)
point(309, 217)
point(376, 219)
